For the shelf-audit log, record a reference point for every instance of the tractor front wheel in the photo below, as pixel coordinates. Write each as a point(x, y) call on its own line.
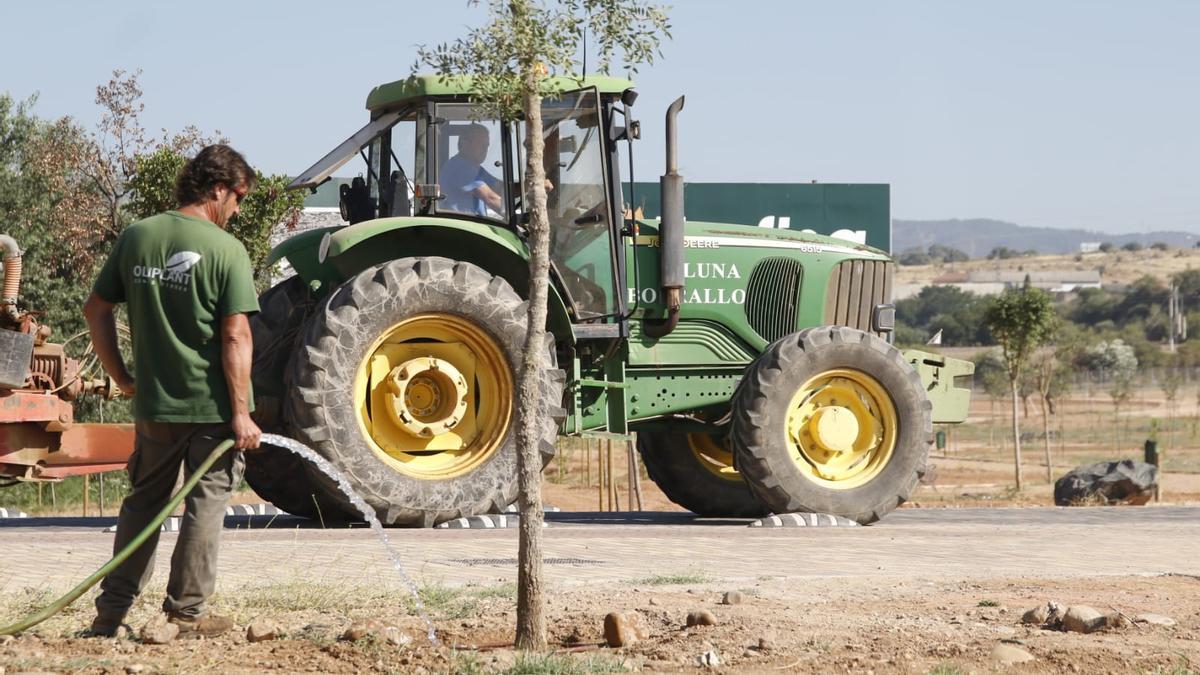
point(832, 420)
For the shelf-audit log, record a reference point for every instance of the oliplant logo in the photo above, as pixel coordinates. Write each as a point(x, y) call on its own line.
point(176, 274)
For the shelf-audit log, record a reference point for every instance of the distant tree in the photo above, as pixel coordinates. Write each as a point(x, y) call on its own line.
point(1159, 246)
point(1003, 253)
point(913, 256)
point(1107, 247)
point(1145, 295)
point(1020, 320)
point(1170, 382)
point(1116, 362)
point(1132, 246)
point(957, 313)
point(268, 206)
point(947, 254)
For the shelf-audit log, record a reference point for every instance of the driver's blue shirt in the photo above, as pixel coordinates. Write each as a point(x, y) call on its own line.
point(459, 178)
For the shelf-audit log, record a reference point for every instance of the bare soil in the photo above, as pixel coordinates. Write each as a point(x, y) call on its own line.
point(850, 625)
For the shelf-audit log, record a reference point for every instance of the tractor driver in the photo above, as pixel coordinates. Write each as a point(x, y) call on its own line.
point(468, 187)
point(189, 288)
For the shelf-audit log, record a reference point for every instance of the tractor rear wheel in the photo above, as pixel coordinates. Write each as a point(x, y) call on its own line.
point(275, 474)
point(406, 382)
point(832, 420)
point(695, 470)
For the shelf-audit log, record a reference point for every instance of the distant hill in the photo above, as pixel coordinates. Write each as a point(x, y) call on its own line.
point(978, 236)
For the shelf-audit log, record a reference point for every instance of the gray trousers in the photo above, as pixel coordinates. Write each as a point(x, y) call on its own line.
point(159, 450)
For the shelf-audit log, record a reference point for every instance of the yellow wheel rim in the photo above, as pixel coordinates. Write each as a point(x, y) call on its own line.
point(841, 428)
point(434, 396)
point(714, 455)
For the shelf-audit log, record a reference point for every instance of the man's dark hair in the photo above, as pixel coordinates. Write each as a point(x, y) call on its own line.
point(214, 165)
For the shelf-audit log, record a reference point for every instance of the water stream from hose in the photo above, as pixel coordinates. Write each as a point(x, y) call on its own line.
point(365, 509)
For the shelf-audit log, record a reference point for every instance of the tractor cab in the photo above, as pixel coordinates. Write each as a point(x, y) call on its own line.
point(429, 152)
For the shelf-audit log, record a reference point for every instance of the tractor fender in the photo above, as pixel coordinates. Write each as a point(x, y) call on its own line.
point(333, 255)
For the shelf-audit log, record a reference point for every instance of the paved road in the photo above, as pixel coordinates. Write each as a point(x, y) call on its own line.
point(584, 548)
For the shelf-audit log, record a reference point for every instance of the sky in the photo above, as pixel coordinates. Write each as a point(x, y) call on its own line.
point(1072, 113)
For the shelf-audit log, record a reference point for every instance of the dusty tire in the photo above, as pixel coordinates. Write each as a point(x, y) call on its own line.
point(332, 370)
point(773, 431)
point(277, 475)
point(681, 465)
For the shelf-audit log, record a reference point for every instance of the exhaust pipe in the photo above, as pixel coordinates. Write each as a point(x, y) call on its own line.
point(670, 233)
point(12, 275)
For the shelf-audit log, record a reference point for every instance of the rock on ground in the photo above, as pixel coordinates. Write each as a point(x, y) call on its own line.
point(1155, 619)
point(701, 617)
point(261, 631)
point(1038, 615)
point(1082, 619)
point(376, 629)
point(158, 631)
point(622, 629)
point(1008, 654)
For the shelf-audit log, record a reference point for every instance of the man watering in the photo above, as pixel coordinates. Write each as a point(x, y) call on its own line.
point(188, 288)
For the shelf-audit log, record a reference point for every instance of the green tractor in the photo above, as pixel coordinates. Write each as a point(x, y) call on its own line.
point(753, 364)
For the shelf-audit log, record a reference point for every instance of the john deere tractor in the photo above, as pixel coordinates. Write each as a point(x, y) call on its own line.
point(754, 364)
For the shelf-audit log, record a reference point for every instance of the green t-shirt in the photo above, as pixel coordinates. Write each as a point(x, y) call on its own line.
point(180, 276)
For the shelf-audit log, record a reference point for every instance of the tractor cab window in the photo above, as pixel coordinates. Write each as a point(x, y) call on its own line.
point(581, 245)
point(470, 164)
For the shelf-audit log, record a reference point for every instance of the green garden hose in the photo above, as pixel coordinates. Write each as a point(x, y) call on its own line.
point(73, 595)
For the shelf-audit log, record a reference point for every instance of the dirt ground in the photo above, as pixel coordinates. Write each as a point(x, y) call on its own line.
point(820, 625)
point(853, 625)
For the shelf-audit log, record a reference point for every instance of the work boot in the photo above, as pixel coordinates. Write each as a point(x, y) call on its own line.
point(106, 626)
point(207, 625)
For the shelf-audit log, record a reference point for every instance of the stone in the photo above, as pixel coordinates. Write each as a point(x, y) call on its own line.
point(1056, 612)
point(158, 631)
point(396, 637)
point(733, 598)
point(135, 668)
point(1008, 654)
point(709, 659)
point(1125, 482)
point(1155, 619)
point(1037, 615)
point(653, 602)
point(701, 617)
point(622, 629)
point(376, 629)
point(1082, 619)
point(261, 631)
point(1117, 621)
point(766, 643)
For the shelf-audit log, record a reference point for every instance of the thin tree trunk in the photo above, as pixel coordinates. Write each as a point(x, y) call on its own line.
point(1016, 429)
point(531, 605)
point(1046, 435)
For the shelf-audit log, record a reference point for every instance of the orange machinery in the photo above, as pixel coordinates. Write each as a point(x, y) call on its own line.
point(39, 437)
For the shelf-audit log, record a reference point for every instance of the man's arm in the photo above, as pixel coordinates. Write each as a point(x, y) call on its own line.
point(237, 355)
point(102, 325)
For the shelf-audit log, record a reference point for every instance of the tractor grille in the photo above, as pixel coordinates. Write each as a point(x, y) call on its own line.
point(772, 297)
point(855, 287)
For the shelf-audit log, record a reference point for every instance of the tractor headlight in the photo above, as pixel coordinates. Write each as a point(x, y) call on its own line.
point(883, 318)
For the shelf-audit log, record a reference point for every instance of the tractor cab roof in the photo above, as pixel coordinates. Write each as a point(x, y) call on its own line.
point(394, 94)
